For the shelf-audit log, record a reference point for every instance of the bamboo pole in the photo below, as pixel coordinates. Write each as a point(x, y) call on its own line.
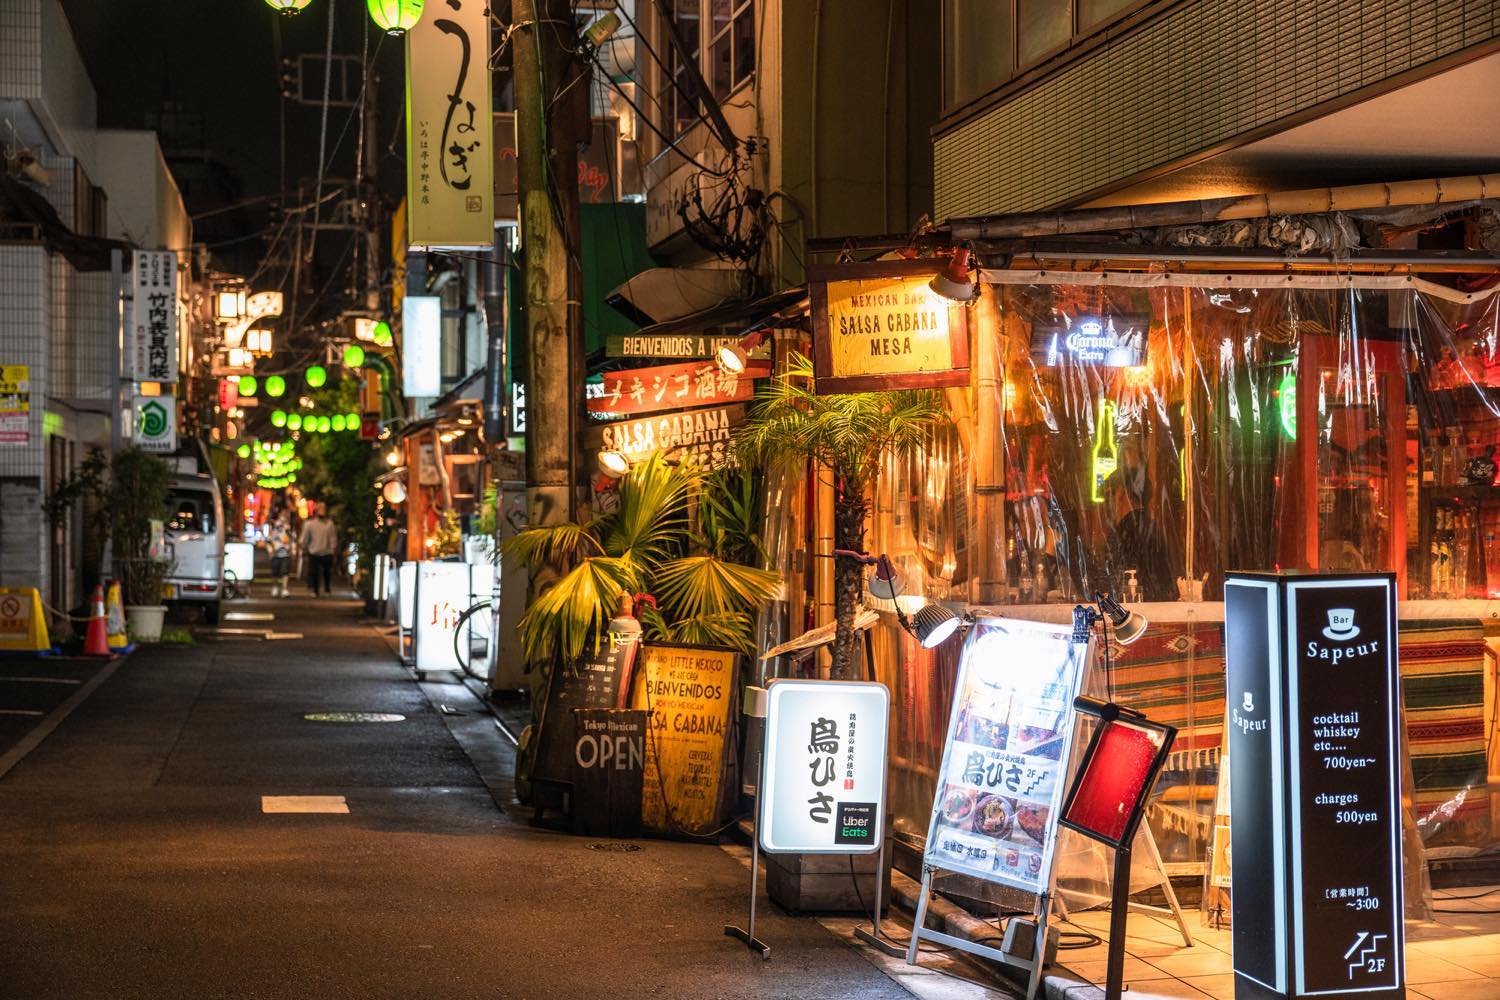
point(1348, 198)
point(988, 541)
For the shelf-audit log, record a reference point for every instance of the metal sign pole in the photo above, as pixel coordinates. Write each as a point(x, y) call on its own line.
point(747, 933)
point(1114, 983)
point(873, 936)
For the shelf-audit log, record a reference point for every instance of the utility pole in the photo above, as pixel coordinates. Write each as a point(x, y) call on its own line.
point(548, 131)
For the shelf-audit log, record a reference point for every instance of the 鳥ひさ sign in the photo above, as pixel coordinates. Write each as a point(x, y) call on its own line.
point(825, 759)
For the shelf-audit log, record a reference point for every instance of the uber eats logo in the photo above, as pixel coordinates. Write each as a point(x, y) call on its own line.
point(153, 420)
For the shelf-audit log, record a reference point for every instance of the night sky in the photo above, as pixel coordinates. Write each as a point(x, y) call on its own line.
point(219, 58)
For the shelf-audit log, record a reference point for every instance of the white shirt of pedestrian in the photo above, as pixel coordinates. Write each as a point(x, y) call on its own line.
point(319, 537)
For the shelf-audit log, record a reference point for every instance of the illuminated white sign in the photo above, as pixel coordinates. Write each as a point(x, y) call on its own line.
point(406, 594)
point(422, 346)
point(442, 595)
point(825, 758)
point(257, 307)
point(239, 559)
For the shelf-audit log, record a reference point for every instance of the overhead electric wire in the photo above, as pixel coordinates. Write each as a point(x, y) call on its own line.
point(645, 119)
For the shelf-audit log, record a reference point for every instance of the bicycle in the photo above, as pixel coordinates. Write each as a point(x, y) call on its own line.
point(471, 640)
point(231, 587)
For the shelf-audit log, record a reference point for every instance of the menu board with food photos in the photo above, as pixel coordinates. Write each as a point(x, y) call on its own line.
point(1009, 738)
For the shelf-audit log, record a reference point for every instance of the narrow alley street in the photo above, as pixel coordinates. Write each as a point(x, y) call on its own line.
point(154, 801)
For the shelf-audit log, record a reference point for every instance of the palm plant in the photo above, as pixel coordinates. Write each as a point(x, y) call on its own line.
point(848, 434)
point(646, 544)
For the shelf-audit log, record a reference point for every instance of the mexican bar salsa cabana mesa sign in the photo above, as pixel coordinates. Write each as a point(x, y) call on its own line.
point(879, 326)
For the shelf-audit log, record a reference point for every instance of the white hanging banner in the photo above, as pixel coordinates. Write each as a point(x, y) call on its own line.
point(825, 762)
point(153, 316)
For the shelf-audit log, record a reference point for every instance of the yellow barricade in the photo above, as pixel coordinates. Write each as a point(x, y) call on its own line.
point(23, 627)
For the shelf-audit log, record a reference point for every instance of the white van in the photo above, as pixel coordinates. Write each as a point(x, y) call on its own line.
point(195, 543)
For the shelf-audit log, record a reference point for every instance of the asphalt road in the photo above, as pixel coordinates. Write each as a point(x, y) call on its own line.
point(136, 860)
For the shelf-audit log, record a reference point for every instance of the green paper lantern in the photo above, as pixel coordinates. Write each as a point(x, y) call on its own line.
point(275, 385)
point(324, 424)
point(248, 385)
point(395, 17)
point(243, 451)
point(381, 334)
point(278, 418)
point(294, 422)
point(287, 7)
point(354, 355)
point(337, 423)
point(316, 376)
point(291, 477)
point(352, 421)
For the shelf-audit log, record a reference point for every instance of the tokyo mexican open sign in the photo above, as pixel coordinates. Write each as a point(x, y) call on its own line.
point(879, 326)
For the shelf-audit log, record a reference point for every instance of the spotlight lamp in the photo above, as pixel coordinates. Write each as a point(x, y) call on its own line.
point(1128, 625)
point(934, 623)
point(733, 358)
point(393, 457)
point(613, 464)
point(953, 282)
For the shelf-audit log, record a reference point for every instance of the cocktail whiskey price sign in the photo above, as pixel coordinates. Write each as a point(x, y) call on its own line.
point(1313, 700)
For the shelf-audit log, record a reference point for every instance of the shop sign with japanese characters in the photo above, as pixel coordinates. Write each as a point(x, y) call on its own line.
point(15, 404)
point(690, 693)
point(450, 155)
point(442, 595)
point(823, 791)
point(705, 436)
point(675, 387)
point(1009, 736)
point(153, 316)
point(879, 326)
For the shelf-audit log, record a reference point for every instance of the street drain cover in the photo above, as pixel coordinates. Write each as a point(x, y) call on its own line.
point(615, 848)
point(354, 717)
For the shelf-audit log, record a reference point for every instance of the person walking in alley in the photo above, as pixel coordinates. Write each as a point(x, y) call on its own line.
point(319, 541)
point(279, 543)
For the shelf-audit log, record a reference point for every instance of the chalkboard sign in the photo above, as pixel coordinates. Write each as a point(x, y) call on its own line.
point(599, 680)
point(1313, 707)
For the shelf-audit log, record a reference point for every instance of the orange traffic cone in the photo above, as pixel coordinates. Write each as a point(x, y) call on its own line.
point(96, 641)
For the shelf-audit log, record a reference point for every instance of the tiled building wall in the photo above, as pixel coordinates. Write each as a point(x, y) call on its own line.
point(25, 273)
point(20, 48)
point(1200, 75)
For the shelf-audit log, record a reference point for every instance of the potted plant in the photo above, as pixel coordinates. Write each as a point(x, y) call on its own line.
point(138, 507)
point(848, 434)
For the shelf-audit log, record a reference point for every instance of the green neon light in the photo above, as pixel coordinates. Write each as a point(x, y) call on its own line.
point(1105, 440)
point(1287, 393)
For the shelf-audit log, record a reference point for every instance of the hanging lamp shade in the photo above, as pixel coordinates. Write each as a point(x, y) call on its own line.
point(243, 451)
point(381, 336)
point(248, 385)
point(294, 421)
point(275, 385)
point(278, 418)
point(354, 355)
point(287, 7)
point(352, 421)
point(395, 17)
point(337, 422)
point(316, 376)
point(324, 424)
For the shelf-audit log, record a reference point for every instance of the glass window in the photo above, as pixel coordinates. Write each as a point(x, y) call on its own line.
point(684, 110)
point(976, 40)
point(732, 47)
point(1042, 26)
point(190, 511)
point(1091, 13)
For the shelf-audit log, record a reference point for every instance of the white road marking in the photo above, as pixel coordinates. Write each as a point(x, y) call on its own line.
point(42, 680)
point(18, 711)
point(303, 804)
point(31, 740)
point(249, 616)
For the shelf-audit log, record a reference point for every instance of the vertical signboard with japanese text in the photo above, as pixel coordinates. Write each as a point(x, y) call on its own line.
point(1009, 737)
point(825, 764)
point(15, 404)
point(155, 423)
point(450, 155)
point(1313, 693)
point(421, 346)
point(153, 316)
point(442, 595)
point(690, 692)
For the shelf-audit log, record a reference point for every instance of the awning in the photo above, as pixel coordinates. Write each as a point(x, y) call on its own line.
point(740, 316)
point(820, 636)
point(469, 390)
point(85, 253)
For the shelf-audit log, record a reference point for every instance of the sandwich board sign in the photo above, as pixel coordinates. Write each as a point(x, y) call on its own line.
point(824, 767)
point(1003, 776)
point(1313, 696)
